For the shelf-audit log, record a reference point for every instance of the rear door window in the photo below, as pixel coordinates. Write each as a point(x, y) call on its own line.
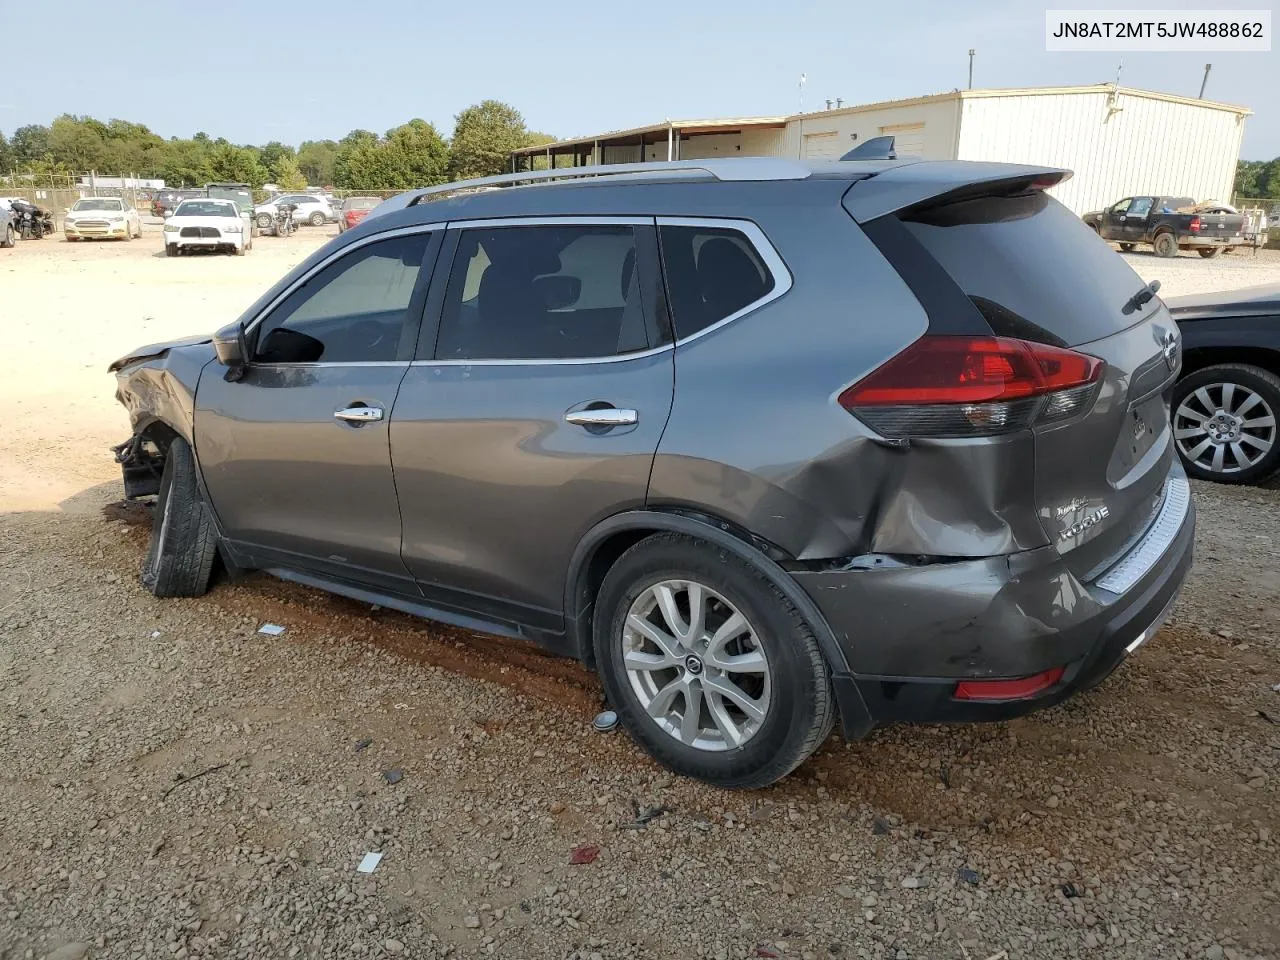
point(554, 292)
point(712, 274)
point(1032, 267)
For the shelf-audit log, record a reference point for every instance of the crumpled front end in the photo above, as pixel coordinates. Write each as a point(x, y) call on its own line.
point(157, 386)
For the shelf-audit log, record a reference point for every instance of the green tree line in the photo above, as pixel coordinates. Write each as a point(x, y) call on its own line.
point(1258, 179)
point(414, 154)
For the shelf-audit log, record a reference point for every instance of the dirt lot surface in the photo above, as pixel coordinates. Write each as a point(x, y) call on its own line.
point(178, 785)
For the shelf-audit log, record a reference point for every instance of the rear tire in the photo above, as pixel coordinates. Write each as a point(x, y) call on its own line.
point(10, 238)
point(265, 220)
point(1209, 252)
point(789, 683)
point(1165, 245)
point(179, 561)
point(1192, 438)
point(316, 219)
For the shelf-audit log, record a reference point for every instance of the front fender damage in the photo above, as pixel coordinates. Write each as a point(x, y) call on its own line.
point(158, 391)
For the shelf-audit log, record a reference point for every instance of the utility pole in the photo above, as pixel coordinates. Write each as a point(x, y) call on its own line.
point(1205, 81)
point(803, 77)
point(971, 69)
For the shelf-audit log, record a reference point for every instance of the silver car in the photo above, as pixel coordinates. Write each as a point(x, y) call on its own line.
point(768, 444)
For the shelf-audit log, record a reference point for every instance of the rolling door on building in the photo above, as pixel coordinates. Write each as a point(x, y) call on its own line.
point(822, 146)
point(908, 138)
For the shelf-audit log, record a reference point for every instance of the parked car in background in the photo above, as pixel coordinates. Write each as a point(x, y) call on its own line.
point(631, 419)
point(1168, 224)
point(1225, 404)
point(98, 218)
point(311, 209)
point(8, 223)
point(166, 201)
point(355, 209)
point(207, 224)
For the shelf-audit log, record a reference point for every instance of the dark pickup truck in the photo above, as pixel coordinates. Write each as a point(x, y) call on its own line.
point(1169, 224)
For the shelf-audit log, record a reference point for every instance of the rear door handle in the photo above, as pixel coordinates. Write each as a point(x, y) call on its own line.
point(602, 417)
point(358, 415)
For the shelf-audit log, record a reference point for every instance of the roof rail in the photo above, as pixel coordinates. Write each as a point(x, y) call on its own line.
point(732, 169)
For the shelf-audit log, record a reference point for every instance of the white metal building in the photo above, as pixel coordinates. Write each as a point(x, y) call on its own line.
point(1118, 141)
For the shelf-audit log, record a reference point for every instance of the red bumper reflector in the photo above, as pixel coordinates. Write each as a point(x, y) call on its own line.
point(1019, 689)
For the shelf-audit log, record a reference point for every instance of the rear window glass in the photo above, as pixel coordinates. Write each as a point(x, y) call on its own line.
point(1032, 267)
point(361, 203)
point(712, 273)
point(204, 208)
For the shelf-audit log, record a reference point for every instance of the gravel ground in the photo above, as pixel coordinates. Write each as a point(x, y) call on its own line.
point(179, 785)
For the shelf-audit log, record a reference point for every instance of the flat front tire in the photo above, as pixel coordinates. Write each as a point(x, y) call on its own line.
point(179, 561)
point(709, 666)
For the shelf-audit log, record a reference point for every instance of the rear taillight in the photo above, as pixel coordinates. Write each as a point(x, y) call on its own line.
point(946, 386)
point(1194, 226)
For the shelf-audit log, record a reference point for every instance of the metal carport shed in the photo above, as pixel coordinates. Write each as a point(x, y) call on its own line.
point(669, 140)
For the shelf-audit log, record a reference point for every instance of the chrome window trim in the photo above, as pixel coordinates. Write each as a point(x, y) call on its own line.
point(336, 255)
point(569, 220)
point(338, 363)
point(782, 278)
point(545, 362)
point(768, 254)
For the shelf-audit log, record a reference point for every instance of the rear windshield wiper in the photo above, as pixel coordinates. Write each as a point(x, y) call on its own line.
point(1142, 296)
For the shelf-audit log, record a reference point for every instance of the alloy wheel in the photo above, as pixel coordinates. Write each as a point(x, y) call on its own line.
point(696, 665)
point(1224, 427)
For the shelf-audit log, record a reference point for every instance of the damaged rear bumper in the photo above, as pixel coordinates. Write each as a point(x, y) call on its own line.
point(911, 634)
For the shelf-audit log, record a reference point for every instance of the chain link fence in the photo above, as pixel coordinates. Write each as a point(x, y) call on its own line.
point(57, 192)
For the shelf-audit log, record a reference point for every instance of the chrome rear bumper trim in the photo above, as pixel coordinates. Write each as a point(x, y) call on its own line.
point(1135, 564)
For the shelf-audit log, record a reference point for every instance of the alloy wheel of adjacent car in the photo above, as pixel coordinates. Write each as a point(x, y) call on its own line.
point(265, 220)
point(1224, 423)
point(709, 666)
point(316, 219)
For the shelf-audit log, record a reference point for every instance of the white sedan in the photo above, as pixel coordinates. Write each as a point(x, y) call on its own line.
point(208, 223)
point(312, 208)
point(99, 217)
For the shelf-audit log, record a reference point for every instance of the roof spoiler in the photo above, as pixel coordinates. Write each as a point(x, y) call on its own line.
point(877, 148)
point(913, 186)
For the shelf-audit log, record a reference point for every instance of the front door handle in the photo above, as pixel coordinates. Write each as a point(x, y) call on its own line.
point(602, 417)
point(358, 415)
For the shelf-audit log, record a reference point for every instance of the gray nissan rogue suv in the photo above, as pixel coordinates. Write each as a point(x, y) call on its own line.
point(764, 442)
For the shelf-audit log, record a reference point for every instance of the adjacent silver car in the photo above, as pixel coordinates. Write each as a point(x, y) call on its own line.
point(768, 444)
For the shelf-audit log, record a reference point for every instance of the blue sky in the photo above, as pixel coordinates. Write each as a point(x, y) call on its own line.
point(324, 67)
